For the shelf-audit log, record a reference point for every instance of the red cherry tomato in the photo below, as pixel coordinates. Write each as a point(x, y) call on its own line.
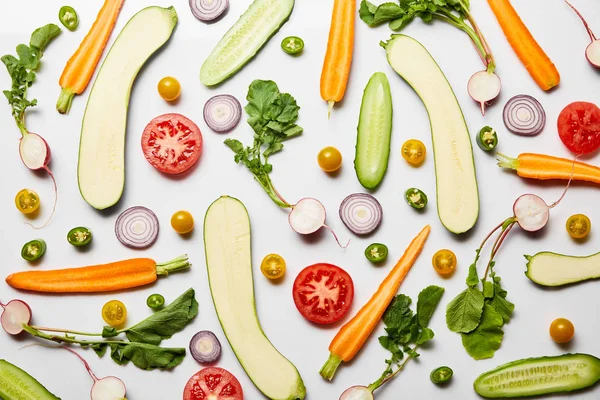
point(213, 383)
point(172, 143)
point(579, 127)
point(323, 293)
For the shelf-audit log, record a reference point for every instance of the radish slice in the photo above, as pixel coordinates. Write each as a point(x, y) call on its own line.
point(483, 87)
point(532, 212)
point(357, 393)
point(222, 113)
point(15, 314)
point(308, 216)
point(208, 10)
point(523, 115)
point(137, 227)
point(592, 52)
point(109, 388)
point(34, 151)
point(361, 213)
point(205, 347)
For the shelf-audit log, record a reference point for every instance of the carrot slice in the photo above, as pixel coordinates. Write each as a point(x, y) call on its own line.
point(544, 167)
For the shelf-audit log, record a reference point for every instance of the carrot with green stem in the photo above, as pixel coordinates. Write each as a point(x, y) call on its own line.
point(544, 167)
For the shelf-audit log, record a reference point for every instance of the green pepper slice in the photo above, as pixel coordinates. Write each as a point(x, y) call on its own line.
point(68, 17)
point(292, 45)
point(487, 139)
point(376, 252)
point(155, 301)
point(80, 236)
point(33, 250)
point(441, 375)
point(416, 198)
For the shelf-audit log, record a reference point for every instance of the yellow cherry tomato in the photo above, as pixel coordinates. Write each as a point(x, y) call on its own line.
point(444, 262)
point(27, 201)
point(114, 313)
point(413, 151)
point(578, 226)
point(562, 330)
point(273, 266)
point(330, 159)
point(182, 222)
point(169, 88)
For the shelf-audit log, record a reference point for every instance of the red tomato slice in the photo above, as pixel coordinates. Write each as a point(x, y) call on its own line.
point(579, 127)
point(323, 293)
point(172, 143)
point(213, 383)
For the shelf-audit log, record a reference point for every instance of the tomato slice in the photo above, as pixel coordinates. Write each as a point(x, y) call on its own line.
point(213, 383)
point(172, 143)
point(323, 293)
point(579, 127)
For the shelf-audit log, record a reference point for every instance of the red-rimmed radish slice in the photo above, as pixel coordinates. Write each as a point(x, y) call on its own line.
point(137, 227)
point(205, 347)
point(592, 52)
point(483, 87)
point(208, 10)
point(532, 212)
point(308, 216)
point(361, 213)
point(523, 115)
point(357, 393)
point(222, 113)
point(15, 314)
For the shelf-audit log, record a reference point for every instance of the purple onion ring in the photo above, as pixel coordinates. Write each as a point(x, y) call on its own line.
point(222, 113)
point(208, 10)
point(137, 227)
point(361, 213)
point(523, 115)
point(205, 347)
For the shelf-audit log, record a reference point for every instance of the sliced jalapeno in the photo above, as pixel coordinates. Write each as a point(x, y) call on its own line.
point(33, 250)
point(155, 301)
point(376, 252)
point(80, 236)
point(416, 198)
point(441, 375)
point(68, 17)
point(487, 139)
point(292, 45)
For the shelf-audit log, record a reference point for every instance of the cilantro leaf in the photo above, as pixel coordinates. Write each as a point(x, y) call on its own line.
point(463, 314)
point(487, 337)
point(428, 301)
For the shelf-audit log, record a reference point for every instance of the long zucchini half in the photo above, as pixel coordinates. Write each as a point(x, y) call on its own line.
point(553, 269)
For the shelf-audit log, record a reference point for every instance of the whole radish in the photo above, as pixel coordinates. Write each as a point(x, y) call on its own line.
point(592, 51)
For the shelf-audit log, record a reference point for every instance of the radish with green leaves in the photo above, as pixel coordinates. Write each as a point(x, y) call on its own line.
point(15, 314)
point(592, 52)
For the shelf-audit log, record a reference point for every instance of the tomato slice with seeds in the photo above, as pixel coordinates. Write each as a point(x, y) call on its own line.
point(213, 383)
point(172, 143)
point(323, 293)
point(579, 127)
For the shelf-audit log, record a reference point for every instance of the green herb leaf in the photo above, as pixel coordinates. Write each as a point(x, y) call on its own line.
point(504, 307)
point(488, 289)
point(398, 313)
point(109, 331)
point(473, 278)
point(41, 37)
point(463, 314)
point(147, 356)
point(428, 301)
point(487, 337)
point(424, 336)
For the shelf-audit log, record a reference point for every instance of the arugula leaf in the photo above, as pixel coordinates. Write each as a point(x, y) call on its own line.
point(144, 356)
point(428, 301)
point(487, 337)
point(463, 314)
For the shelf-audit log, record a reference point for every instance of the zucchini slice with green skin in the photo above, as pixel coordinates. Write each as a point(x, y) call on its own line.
point(538, 376)
point(456, 181)
point(374, 132)
point(553, 269)
point(244, 39)
point(16, 384)
point(101, 169)
point(229, 264)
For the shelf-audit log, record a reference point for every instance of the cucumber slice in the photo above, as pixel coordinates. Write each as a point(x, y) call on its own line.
point(229, 265)
point(16, 384)
point(244, 39)
point(457, 193)
point(553, 269)
point(537, 376)
point(101, 169)
point(374, 132)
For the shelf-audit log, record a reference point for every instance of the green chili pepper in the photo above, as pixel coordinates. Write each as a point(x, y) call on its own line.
point(376, 252)
point(155, 301)
point(33, 250)
point(80, 236)
point(441, 375)
point(487, 139)
point(68, 17)
point(292, 45)
point(416, 198)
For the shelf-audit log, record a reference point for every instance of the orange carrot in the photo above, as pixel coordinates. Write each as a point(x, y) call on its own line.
point(97, 278)
point(355, 333)
point(539, 65)
point(543, 167)
point(81, 66)
point(340, 46)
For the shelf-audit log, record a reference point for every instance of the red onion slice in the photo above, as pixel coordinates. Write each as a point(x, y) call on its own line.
point(205, 347)
point(361, 213)
point(137, 227)
point(523, 115)
point(222, 113)
point(208, 10)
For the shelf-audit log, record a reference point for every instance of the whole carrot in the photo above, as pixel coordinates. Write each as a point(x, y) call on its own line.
point(340, 47)
point(97, 278)
point(533, 57)
point(544, 167)
point(81, 66)
point(355, 332)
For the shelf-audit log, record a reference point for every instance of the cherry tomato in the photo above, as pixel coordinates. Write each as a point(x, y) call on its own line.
point(578, 226)
point(330, 159)
point(562, 330)
point(444, 262)
point(213, 383)
point(182, 222)
point(169, 88)
point(27, 201)
point(172, 143)
point(323, 293)
point(413, 151)
point(273, 266)
point(114, 313)
point(579, 127)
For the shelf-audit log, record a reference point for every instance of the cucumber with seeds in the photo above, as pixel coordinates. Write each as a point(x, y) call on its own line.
point(16, 384)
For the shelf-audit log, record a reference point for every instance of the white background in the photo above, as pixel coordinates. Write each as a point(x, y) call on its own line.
point(296, 174)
